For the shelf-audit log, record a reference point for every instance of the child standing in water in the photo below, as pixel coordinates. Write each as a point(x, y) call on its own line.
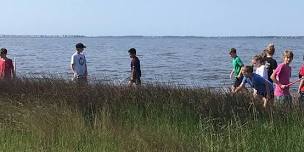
point(79, 64)
point(236, 71)
point(301, 86)
point(7, 70)
point(281, 77)
point(135, 68)
point(271, 64)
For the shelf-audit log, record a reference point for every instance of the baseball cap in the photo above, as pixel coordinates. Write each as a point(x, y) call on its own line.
point(80, 45)
point(232, 50)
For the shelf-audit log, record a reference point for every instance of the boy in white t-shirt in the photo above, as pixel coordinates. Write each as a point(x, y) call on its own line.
point(79, 64)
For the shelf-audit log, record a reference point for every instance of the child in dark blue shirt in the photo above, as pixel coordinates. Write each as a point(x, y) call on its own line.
point(135, 68)
point(264, 88)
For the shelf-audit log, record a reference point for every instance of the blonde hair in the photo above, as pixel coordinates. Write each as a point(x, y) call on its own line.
point(288, 53)
point(270, 49)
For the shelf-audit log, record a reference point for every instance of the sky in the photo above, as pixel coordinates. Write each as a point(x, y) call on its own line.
point(153, 17)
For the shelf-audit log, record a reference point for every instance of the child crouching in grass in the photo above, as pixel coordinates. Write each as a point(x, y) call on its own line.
point(263, 87)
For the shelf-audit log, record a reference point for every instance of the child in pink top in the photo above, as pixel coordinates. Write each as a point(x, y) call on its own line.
point(280, 77)
point(301, 85)
point(7, 70)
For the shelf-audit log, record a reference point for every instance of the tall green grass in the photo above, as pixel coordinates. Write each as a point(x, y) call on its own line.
point(53, 114)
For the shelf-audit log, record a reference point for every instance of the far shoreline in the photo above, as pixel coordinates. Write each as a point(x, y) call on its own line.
point(142, 36)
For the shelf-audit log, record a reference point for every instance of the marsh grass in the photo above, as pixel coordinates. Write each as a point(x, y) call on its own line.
point(52, 114)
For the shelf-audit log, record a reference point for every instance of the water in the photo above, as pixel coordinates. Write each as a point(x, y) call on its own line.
point(187, 61)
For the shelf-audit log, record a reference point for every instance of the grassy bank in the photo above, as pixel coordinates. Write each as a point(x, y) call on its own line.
point(56, 115)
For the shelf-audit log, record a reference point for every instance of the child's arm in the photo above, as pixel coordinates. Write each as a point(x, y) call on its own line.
point(72, 65)
point(72, 68)
point(13, 71)
point(133, 73)
point(134, 62)
point(240, 73)
point(231, 73)
point(301, 84)
point(86, 69)
point(240, 63)
point(274, 79)
point(12, 68)
point(241, 86)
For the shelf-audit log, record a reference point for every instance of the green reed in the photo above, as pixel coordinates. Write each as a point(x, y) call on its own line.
point(52, 114)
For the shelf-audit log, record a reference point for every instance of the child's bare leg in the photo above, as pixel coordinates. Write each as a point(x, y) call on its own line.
point(232, 88)
point(254, 92)
point(261, 100)
point(264, 102)
point(130, 83)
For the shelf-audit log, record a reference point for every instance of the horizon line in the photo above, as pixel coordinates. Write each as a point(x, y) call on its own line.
point(193, 36)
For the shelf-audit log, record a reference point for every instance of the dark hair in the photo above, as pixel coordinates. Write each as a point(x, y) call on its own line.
point(80, 45)
point(248, 69)
point(132, 51)
point(261, 58)
point(232, 50)
point(3, 51)
point(264, 53)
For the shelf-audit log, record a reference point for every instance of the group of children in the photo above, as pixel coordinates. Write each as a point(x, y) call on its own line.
point(267, 74)
point(79, 66)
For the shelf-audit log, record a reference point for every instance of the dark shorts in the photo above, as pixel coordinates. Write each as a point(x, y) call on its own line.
point(238, 81)
point(264, 94)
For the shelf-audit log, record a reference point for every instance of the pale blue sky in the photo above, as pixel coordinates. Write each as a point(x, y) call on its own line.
point(153, 17)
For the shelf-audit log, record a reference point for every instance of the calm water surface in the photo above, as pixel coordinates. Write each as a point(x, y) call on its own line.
point(188, 61)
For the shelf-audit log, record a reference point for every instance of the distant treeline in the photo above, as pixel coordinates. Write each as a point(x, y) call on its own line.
point(38, 36)
point(139, 36)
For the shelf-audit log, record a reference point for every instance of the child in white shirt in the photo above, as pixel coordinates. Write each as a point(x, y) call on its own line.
point(259, 63)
